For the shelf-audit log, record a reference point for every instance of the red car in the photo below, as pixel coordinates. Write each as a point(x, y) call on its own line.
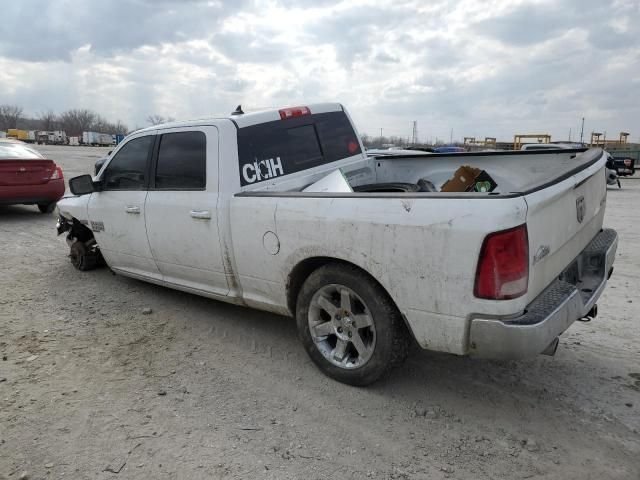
point(26, 177)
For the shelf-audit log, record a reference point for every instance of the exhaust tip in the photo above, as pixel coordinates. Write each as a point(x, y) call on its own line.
point(551, 348)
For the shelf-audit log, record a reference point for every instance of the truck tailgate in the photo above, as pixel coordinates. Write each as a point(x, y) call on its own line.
point(562, 219)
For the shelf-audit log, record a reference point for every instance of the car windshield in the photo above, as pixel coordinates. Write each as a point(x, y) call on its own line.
point(12, 151)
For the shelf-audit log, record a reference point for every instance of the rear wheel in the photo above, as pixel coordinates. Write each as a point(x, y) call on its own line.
point(47, 207)
point(349, 326)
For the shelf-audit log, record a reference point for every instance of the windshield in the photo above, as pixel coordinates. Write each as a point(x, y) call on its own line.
point(12, 151)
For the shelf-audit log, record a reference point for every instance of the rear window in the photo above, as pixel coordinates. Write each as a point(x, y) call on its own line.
point(14, 151)
point(283, 147)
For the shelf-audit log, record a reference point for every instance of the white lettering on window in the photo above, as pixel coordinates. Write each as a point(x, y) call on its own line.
point(249, 178)
point(262, 170)
point(275, 166)
point(256, 168)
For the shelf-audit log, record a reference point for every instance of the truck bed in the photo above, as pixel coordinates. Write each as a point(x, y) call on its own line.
point(515, 172)
point(512, 171)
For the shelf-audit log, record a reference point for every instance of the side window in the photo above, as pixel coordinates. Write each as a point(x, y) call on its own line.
point(182, 161)
point(128, 169)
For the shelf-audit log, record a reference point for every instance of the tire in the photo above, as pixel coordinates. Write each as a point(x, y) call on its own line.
point(47, 207)
point(78, 255)
point(83, 259)
point(351, 354)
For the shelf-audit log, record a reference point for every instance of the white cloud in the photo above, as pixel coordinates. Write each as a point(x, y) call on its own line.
point(483, 68)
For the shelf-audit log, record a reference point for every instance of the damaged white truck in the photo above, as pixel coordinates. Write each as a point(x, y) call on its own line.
point(221, 208)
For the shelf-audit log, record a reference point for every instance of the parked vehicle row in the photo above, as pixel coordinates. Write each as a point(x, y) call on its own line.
point(56, 137)
point(228, 208)
point(100, 139)
point(59, 137)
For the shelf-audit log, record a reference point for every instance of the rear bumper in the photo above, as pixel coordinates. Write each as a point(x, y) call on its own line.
point(553, 311)
point(52, 191)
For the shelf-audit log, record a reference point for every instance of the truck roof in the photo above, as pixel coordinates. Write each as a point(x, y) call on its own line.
point(248, 119)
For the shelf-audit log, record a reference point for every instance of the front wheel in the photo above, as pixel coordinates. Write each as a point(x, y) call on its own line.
point(84, 258)
point(349, 326)
point(47, 207)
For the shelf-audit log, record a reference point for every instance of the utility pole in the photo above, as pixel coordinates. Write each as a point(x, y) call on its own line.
point(451, 137)
point(381, 136)
point(569, 133)
point(582, 130)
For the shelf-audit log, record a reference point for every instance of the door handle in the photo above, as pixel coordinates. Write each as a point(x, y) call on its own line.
point(204, 214)
point(132, 209)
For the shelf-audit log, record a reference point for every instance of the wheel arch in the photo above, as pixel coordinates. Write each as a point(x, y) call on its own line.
point(306, 267)
point(80, 231)
point(396, 339)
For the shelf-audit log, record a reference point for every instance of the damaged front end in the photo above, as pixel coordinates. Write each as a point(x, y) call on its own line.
point(84, 250)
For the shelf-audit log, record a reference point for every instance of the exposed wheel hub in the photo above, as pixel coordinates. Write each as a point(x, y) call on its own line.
point(341, 326)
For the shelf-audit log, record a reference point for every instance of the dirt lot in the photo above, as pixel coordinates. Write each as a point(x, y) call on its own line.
point(90, 387)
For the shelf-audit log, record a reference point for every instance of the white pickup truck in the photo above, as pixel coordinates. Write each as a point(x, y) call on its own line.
point(216, 207)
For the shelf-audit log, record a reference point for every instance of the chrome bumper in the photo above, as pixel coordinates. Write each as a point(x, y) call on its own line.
point(567, 299)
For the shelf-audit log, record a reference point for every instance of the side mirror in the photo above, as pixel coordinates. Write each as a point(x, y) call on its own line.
point(81, 185)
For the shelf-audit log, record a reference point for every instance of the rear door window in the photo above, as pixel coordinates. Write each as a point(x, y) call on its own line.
point(128, 169)
point(282, 147)
point(182, 161)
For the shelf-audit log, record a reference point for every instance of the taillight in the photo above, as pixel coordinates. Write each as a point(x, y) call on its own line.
point(294, 112)
point(57, 173)
point(627, 162)
point(503, 267)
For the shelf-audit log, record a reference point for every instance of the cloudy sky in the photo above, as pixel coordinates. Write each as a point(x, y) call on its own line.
point(481, 68)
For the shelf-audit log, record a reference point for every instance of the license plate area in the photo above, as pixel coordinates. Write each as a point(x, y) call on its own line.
point(587, 271)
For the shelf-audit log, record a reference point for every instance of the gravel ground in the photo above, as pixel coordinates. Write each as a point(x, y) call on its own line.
point(92, 387)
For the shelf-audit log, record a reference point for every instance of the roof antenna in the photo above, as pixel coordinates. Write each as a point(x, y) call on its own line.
point(238, 111)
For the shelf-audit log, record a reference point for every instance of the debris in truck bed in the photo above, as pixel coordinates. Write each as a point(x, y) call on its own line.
point(469, 179)
point(426, 186)
point(334, 182)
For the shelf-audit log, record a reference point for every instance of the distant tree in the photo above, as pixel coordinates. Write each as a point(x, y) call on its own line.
point(48, 120)
point(76, 121)
point(99, 124)
point(158, 119)
point(103, 126)
point(120, 127)
point(9, 116)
